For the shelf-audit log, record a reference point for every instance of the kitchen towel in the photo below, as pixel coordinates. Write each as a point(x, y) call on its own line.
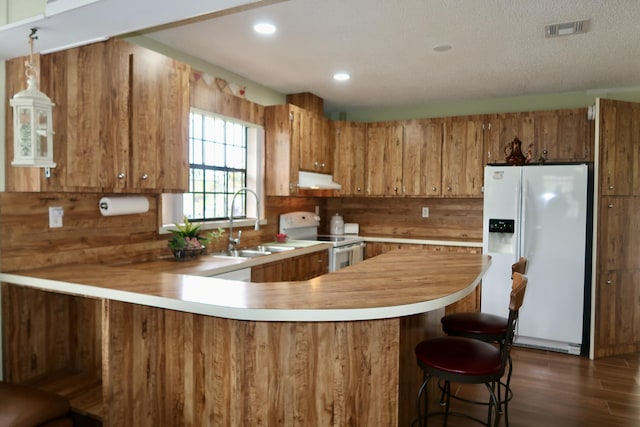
point(110, 206)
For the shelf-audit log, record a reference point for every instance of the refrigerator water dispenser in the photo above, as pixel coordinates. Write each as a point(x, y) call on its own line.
point(501, 236)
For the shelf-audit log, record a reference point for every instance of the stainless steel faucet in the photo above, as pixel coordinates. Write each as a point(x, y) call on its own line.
point(235, 241)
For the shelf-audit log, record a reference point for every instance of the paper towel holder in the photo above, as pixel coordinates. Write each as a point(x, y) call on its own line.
point(111, 206)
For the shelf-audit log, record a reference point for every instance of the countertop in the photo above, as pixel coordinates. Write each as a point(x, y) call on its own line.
point(398, 283)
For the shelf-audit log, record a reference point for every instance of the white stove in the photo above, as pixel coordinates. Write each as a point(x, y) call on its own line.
point(348, 249)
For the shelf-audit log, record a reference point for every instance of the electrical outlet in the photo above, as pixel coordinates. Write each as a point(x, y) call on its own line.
point(55, 217)
point(425, 212)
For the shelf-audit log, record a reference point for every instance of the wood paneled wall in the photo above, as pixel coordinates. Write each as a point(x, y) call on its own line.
point(229, 372)
point(88, 237)
point(449, 219)
point(74, 343)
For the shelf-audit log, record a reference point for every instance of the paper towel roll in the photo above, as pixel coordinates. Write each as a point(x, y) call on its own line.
point(110, 206)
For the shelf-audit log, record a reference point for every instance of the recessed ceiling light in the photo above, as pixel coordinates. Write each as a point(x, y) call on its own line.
point(264, 28)
point(341, 77)
point(442, 48)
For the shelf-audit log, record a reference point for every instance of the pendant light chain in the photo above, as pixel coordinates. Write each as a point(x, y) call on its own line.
point(30, 69)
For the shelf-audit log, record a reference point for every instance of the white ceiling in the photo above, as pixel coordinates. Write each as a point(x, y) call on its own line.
point(499, 47)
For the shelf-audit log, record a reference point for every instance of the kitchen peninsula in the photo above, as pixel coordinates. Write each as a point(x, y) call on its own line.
point(180, 349)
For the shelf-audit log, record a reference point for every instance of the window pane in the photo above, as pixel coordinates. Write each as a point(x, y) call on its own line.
point(218, 162)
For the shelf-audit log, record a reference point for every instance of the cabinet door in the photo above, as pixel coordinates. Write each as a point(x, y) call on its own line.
point(617, 314)
point(462, 169)
point(90, 86)
point(313, 265)
point(618, 234)
point(563, 136)
point(282, 136)
point(384, 159)
point(316, 143)
point(421, 160)
point(619, 142)
point(499, 130)
point(159, 122)
point(349, 157)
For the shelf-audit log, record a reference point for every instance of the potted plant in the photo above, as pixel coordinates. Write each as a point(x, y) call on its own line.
point(187, 243)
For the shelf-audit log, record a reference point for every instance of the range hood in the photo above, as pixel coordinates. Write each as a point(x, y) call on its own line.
point(317, 181)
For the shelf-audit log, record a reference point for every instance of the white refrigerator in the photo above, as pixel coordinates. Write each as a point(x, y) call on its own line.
point(539, 212)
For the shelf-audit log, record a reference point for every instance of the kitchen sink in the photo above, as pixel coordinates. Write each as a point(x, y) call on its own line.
point(256, 251)
point(273, 248)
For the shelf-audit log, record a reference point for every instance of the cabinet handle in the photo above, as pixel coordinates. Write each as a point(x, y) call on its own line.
point(315, 164)
point(448, 188)
point(609, 282)
point(611, 187)
point(395, 189)
point(322, 165)
point(610, 206)
point(145, 177)
point(121, 175)
point(433, 188)
point(359, 189)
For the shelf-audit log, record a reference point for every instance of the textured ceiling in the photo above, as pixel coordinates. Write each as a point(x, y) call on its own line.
point(499, 48)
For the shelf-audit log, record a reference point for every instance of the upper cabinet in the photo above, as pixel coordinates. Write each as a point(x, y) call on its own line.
point(551, 136)
point(159, 122)
point(296, 139)
point(383, 159)
point(284, 126)
point(421, 157)
point(121, 121)
point(500, 129)
point(317, 143)
point(349, 157)
point(462, 167)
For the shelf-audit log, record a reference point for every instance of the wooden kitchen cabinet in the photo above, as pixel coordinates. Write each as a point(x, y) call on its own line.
point(120, 120)
point(617, 278)
point(383, 159)
point(499, 130)
point(421, 158)
point(302, 267)
point(284, 130)
point(316, 144)
point(159, 122)
point(349, 157)
point(562, 136)
point(619, 148)
point(462, 165)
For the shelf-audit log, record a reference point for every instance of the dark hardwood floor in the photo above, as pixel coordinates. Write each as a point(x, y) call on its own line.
point(559, 390)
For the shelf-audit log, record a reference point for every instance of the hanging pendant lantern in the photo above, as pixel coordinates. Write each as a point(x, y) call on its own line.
point(32, 121)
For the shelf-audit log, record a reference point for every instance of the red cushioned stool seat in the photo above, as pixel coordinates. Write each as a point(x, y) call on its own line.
point(451, 355)
point(22, 406)
point(490, 326)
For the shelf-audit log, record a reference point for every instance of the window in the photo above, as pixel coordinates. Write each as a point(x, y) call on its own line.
point(225, 155)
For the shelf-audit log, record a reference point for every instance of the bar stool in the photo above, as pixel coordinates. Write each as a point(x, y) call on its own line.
point(469, 361)
point(489, 328)
point(22, 406)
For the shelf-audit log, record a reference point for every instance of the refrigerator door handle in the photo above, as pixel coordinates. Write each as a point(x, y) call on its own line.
point(523, 219)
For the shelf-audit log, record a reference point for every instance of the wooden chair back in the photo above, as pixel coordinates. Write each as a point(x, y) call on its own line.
point(519, 267)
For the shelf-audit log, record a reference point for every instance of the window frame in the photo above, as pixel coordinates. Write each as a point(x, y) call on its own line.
point(173, 206)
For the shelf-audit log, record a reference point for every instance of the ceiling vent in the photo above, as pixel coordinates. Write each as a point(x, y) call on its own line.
point(566, 28)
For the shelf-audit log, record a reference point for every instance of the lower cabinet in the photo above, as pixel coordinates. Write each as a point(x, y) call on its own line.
point(303, 267)
point(469, 303)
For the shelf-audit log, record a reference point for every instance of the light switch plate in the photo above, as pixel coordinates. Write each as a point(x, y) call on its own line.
point(425, 212)
point(55, 216)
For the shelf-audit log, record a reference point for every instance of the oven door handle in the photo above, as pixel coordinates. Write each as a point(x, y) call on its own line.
point(347, 248)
